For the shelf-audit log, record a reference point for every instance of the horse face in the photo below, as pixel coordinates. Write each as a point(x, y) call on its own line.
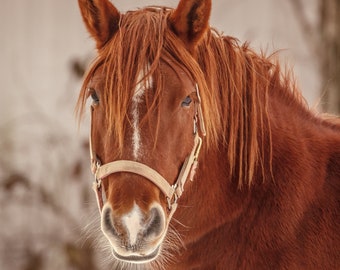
point(135, 216)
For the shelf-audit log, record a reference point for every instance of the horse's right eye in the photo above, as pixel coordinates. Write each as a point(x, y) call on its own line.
point(94, 96)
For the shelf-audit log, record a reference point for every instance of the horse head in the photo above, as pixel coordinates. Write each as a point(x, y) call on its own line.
point(146, 118)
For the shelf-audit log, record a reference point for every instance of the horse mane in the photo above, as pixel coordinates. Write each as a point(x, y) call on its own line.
point(234, 81)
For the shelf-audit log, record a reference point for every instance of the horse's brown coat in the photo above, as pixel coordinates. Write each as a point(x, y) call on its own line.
point(267, 191)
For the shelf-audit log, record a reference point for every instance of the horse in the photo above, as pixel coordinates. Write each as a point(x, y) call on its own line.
point(204, 152)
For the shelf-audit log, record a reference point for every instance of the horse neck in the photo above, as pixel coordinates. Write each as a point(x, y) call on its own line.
point(215, 193)
point(290, 143)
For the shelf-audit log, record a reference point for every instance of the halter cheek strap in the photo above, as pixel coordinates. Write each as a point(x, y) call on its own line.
point(171, 192)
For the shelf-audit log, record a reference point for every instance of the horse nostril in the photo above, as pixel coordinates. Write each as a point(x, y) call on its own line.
point(107, 223)
point(155, 223)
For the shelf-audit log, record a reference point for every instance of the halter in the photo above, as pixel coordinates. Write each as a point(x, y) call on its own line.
point(171, 192)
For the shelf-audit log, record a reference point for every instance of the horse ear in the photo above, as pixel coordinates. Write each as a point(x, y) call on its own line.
point(101, 19)
point(190, 20)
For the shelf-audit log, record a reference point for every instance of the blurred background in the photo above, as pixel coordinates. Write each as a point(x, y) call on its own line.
point(46, 201)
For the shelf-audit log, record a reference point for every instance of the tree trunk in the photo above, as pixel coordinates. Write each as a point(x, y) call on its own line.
point(330, 54)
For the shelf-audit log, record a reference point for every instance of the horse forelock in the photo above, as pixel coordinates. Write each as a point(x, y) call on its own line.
point(144, 40)
point(234, 85)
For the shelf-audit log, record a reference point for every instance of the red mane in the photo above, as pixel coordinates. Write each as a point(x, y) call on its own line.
point(235, 85)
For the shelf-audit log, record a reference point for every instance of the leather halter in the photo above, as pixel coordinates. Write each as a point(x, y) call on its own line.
point(171, 192)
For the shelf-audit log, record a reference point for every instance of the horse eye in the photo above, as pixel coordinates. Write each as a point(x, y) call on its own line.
point(186, 102)
point(94, 96)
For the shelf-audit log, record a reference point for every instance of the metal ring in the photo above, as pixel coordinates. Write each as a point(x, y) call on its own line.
point(171, 203)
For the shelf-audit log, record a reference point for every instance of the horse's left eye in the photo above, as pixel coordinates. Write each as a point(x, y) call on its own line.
point(186, 102)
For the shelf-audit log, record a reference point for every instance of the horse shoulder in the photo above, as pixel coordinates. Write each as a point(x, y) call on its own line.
point(318, 232)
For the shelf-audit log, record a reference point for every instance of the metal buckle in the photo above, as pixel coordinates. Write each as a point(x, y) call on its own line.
point(98, 183)
point(172, 202)
point(173, 199)
point(198, 147)
point(195, 123)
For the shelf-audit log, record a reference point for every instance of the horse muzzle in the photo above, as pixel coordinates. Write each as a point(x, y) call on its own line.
point(135, 236)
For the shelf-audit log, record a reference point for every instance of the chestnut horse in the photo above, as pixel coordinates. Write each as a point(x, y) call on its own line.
point(168, 92)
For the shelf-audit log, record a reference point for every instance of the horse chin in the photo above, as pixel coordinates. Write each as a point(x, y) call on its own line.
point(137, 258)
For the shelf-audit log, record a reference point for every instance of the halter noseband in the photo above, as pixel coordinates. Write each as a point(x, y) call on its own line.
point(171, 192)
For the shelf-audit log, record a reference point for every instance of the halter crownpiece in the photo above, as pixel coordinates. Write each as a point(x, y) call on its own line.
point(171, 192)
point(199, 112)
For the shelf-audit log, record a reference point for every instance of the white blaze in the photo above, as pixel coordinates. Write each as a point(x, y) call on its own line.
point(135, 122)
point(136, 100)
